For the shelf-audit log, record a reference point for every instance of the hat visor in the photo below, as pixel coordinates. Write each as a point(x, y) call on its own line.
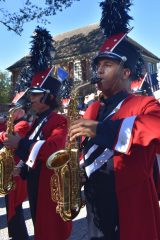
point(109, 55)
point(36, 90)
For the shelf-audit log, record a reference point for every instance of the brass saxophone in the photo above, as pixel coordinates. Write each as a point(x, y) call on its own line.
point(7, 182)
point(65, 182)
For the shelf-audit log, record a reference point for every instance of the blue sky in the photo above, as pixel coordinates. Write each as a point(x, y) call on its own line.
point(146, 29)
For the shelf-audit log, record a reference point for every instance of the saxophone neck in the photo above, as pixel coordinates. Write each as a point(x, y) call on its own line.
point(73, 144)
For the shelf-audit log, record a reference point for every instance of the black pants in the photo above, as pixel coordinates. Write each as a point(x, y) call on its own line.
point(93, 232)
point(102, 207)
point(16, 226)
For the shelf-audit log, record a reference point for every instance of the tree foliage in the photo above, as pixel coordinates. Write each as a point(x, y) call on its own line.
point(5, 87)
point(14, 21)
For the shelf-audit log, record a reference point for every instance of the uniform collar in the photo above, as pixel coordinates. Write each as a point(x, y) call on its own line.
point(44, 114)
point(115, 98)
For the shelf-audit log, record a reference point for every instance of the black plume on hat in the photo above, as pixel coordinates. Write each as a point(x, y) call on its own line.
point(115, 18)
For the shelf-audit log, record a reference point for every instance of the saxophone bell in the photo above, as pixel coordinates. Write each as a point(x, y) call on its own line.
point(58, 159)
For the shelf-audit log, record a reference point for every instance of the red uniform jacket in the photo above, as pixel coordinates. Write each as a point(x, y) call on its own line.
point(19, 194)
point(135, 146)
point(49, 224)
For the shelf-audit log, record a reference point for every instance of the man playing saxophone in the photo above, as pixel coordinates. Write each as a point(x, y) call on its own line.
point(47, 135)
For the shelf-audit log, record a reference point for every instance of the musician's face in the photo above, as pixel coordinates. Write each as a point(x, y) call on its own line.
point(37, 102)
point(114, 76)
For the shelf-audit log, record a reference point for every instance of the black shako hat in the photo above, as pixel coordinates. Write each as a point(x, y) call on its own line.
point(45, 82)
point(120, 49)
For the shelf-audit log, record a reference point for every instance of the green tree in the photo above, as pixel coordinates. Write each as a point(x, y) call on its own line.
point(30, 11)
point(5, 87)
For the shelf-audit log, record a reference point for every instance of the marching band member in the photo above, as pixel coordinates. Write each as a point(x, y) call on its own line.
point(47, 135)
point(123, 138)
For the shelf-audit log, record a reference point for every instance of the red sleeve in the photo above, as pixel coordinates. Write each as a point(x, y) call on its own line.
point(147, 125)
point(141, 129)
point(22, 128)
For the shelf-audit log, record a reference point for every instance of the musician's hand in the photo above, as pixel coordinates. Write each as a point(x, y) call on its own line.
point(12, 141)
point(83, 127)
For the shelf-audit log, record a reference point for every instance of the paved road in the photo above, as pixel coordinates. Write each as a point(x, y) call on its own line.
point(79, 224)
